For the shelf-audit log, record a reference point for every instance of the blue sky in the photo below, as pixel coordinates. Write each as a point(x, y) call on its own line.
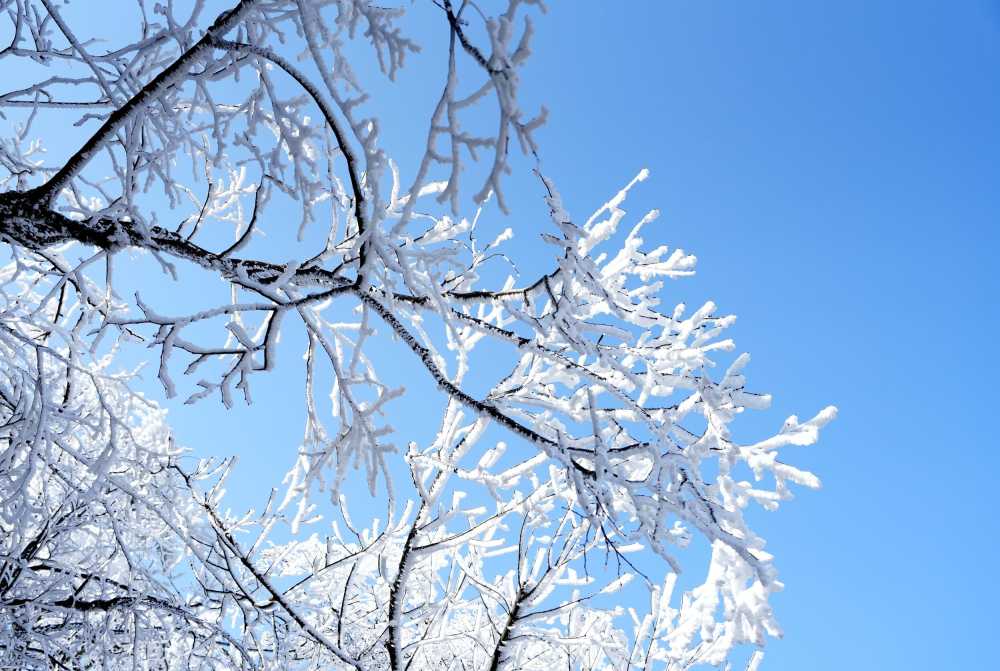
point(835, 167)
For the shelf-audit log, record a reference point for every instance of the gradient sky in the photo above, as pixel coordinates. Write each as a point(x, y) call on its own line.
point(835, 166)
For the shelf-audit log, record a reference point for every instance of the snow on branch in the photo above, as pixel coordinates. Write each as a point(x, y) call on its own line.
point(584, 442)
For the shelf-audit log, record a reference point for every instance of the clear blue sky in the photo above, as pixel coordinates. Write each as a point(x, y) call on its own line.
point(836, 168)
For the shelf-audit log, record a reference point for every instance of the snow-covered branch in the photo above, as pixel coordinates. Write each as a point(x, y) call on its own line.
point(585, 442)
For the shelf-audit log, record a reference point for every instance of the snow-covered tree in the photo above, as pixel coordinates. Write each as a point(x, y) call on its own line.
point(584, 439)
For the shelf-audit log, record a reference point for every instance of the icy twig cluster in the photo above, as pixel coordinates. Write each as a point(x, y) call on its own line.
point(584, 469)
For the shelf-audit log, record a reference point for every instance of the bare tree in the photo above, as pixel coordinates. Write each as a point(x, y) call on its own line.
point(116, 551)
